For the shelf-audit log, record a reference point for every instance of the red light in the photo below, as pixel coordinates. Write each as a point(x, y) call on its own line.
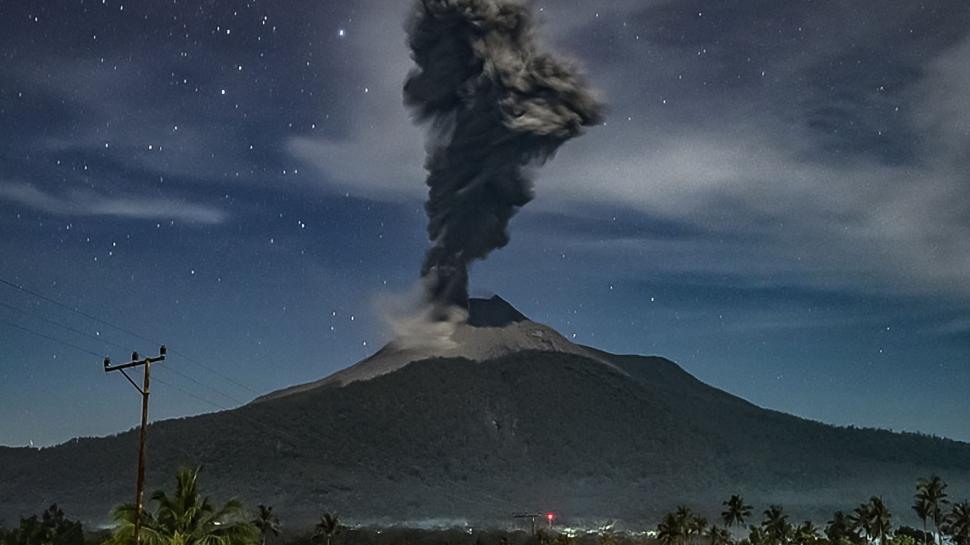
point(550, 516)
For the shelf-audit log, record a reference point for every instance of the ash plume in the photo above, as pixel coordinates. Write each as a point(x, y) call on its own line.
point(418, 325)
point(495, 105)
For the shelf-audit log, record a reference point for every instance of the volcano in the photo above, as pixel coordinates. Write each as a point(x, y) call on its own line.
point(510, 417)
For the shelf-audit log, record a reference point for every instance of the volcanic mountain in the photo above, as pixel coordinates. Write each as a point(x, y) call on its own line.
point(508, 416)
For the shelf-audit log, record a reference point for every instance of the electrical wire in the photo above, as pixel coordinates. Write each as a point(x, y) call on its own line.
point(206, 386)
point(63, 326)
point(102, 340)
point(167, 368)
point(48, 337)
point(122, 329)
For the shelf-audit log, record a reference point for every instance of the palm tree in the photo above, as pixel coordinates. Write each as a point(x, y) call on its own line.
point(696, 526)
point(840, 528)
point(873, 519)
point(688, 524)
point(267, 523)
point(185, 519)
point(736, 511)
point(776, 525)
point(328, 527)
point(668, 531)
point(933, 492)
point(684, 517)
point(881, 519)
point(923, 510)
point(861, 521)
point(958, 523)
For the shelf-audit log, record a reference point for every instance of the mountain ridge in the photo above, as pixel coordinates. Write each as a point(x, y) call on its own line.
point(463, 439)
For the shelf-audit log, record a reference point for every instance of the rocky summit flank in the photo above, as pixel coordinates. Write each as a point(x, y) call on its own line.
point(510, 416)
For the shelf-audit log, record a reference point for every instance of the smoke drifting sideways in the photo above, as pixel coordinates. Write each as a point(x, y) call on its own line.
point(495, 105)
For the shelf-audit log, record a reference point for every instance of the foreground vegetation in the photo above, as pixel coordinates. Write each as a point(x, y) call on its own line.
point(870, 523)
point(188, 518)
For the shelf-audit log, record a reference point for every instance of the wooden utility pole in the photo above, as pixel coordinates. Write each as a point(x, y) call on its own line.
point(146, 365)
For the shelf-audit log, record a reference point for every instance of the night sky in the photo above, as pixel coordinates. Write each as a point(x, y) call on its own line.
point(778, 201)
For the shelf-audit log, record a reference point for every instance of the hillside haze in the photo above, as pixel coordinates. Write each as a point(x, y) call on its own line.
point(512, 417)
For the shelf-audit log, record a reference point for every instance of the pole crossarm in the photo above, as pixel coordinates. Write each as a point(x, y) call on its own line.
point(134, 363)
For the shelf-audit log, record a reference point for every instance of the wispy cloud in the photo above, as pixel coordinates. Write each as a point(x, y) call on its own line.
point(871, 200)
point(87, 203)
point(956, 327)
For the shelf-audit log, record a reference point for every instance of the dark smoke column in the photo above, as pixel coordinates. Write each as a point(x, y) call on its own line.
point(495, 105)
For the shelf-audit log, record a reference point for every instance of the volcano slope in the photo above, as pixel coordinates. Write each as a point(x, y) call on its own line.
point(524, 420)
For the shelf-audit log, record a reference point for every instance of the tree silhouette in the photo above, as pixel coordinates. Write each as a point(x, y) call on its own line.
point(696, 526)
point(52, 528)
point(841, 529)
point(958, 524)
point(267, 523)
point(861, 521)
point(923, 510)
point(736, 512)
point(327, 528)
point(185, 518)
point(668, 531)
point(873, 520)
point(932, 491)
point(776, 527)
point(688, 524)
point(881, 521)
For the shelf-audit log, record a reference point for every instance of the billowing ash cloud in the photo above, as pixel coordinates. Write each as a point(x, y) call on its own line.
point(495, 105)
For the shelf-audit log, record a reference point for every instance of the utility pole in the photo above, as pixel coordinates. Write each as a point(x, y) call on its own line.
point(146, 365)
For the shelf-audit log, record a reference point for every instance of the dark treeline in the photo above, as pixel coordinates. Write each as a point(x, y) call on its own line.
point(870, 523)
point(186, 517)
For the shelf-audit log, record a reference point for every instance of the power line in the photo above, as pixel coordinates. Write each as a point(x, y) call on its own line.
point(106, 341)
point(122, 329)
point(190, 359)
point(64, 326)
point(211, 388)
point(190, 394)
point(74, 310)
point(209, 402)
point(48, 337)
point(111, 343)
